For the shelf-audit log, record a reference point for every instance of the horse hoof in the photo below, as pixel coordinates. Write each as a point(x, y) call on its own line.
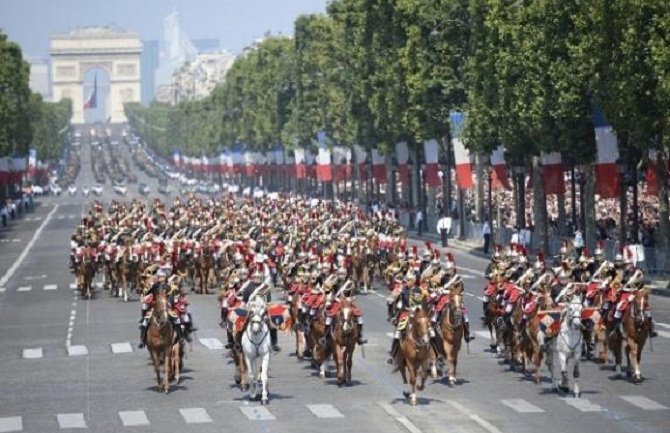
point(264, 402)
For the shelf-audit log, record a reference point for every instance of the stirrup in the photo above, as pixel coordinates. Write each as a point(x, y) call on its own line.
point(141, 345)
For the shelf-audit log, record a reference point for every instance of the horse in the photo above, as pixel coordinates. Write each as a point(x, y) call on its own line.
point(345, 338)
point(451, 327)
point(161, 341)
point(533, 336)
point(204, 264)
point(636, 329)
point(126, 270)
point(568, 344)
point(256, 348)
point(413, 354)
point(85, 274)
point(295, 308)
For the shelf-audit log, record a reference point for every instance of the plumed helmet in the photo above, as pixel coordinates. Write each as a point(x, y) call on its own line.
point(600, 250)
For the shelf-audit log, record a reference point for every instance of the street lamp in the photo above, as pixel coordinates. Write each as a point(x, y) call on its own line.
point(343, 163)
point(410, 173)
point(581, 181)
point(621, 169)
point(394, 185)
point(368, 166)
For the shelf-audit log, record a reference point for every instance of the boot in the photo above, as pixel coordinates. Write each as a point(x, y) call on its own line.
point(229, 340)
point(466, 332)
point(436, 348)
point(389, 312)
point(615, 326)
point(361, 340)
point(224, 317)
point(394, 350)
point(142, 314)
point(143, 336)
point(274, 340)
point(191, 324)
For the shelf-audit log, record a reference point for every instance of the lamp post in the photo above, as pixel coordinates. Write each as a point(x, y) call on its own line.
point(368, 166)
point(621, 169)
point(394, 184)
point(410, 201)
point(633, 178)
point(343, 163)
point(573, 184)
point(581, 181)
point(445, 177)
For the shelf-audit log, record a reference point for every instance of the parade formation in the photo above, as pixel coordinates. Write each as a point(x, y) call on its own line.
point(285, 262)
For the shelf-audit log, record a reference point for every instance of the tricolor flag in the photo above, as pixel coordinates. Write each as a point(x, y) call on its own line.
point(237, 157)
point(176, 158)
point(310, 159)
point(499, 169)
point(324, 171)
point(378, 166)
point(300, 169)
point(430, 172)
point(552, 173)
point(360, 160)
point(342, 157)
point(92, 100)
point(4, 170)
point(402, 156)
point(32, 161)
point(607, 176)
point(461, 154)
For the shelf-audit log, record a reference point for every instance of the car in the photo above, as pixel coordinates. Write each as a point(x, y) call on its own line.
point(55, 189)
point(120, 189)
point(85, 190)
point(72, 190)
point(144, 189)
point(97, 189)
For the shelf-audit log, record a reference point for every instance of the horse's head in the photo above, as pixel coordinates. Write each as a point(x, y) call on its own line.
point(573, 314)
point(160, 312)
point(420, 325)
point(456, 301)
point(257, 313)
point(346, 316)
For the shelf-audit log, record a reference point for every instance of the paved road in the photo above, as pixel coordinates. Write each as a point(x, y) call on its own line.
point(70, 363)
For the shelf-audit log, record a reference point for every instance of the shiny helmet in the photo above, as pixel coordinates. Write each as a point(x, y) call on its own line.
point(599, 252)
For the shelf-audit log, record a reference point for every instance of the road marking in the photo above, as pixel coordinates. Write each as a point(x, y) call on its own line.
point(60, 217)
point(468, 277)
point(32, 353)
point(11, 423)
point(121, 347)
point(389, 335)
point(324, 411)
point(257, 413)
point(643, 402)
point(474, 417)
point(664, 334)
point(390, 410)
point(71, 420)
point(195, 415)
point(583, 405)
point(3, 289)
point(77, 350)
point(483, 334)
point(24, 289)
point(16, 240)
point(663, 325)
point(37, 218)
point(24, 253)
point(212, 343)
point(521, 406)
point(36, 277)
point(131, 418)
point(50, 286)
point(70, 216)
point(73, 286)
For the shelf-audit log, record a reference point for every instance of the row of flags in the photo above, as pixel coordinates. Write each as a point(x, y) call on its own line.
point(336, 162)
point(12, 169)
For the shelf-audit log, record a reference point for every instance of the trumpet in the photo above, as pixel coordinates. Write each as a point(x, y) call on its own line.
point(454, 280)
point(546, 275)
point(634, 279)
point(346, 289)
point(605, 265)
point(523, 277)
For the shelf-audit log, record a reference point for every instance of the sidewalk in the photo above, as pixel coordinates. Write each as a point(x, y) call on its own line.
point(658, 286)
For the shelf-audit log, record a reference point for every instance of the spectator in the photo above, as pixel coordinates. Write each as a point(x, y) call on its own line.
point(443, 228)
point(419, 221)
point(486, 233)
point(578, 242)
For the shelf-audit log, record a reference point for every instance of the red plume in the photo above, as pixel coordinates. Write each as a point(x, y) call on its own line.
point(429, 246)
point(414, 249)
point(450, 257)
point(601, 244)
point(585, 252)
point(540, 257)
point(437, 254)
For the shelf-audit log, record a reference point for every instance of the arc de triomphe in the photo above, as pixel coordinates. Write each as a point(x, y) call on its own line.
point(75, 53)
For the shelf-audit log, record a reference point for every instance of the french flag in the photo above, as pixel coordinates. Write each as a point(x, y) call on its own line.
point(552, 173)
point(402, 156)
point(176, 158)
point(342, 157)
point(300, 168)
point(607, 176)
point(360, 159)
point(499, 169)
point(378, 166)
point(324, 171)
point(461, 154)
point(310, 159)
point(221, 168)
point(430, 171)
point(237, 157)
point(289, 165)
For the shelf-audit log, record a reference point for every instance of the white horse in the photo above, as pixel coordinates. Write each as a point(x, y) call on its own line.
point(256, 348)
point(569, 344)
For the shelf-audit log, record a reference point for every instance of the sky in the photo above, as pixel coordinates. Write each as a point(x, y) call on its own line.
point(236, 23)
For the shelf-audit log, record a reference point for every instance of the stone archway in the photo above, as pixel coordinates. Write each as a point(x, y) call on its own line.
point(115, 51)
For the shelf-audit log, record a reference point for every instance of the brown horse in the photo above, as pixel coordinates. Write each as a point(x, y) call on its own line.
point(126, 270)
point(635, 327)
point(533, 347)
point(295, 309)
point(451, 326)
point(345, 338)
point(316, 342)
point(204, 265)
point(412, 358)
point(85, 274)
point(161, 340)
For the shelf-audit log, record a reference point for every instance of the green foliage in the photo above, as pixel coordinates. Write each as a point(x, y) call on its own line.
point(15, 128)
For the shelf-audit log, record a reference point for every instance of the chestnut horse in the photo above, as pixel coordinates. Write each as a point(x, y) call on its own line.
point(635, 333)
point(85, 274)
point(412, 358)
point(451, 326)
point(161, 340)
point(345, 338)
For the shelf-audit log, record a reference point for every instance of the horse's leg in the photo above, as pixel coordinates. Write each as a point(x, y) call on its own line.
point(265, 365)
point(155, 359)
point(350, 360)
point(251, 374)
point(412, 381)
point(176, 361)
point(166, 369)
point(629, 359)
point(638, 360)
point(575, 374)
point(563, 360)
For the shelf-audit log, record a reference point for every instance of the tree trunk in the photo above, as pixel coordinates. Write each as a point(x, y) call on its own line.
point(539, 209)
point(479, 201)
point(590, 229)
point(663, 233)
point(390, 183)
point(560, 222)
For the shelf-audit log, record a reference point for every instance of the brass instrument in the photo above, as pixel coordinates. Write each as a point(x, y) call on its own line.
point(428, 272)
point(456, 279)
point(637, 277)
point(436, 278)
point(346, 289)
point(541, 280)
point(523, 277)
point(330, 282)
